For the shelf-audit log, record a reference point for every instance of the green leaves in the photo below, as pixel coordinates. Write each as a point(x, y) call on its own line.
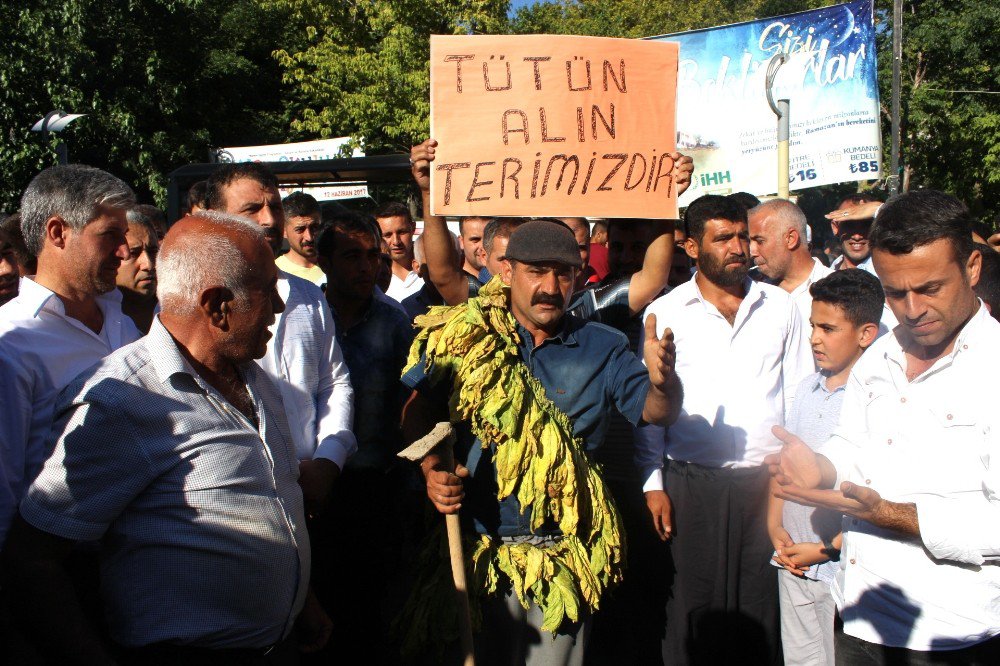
point(162, 82)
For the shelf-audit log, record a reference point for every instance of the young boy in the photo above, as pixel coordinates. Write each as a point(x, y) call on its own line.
point(846, 309)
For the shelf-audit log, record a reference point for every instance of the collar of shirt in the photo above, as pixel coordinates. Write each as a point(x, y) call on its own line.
point(820, 384)
point(754, 296)
point(818, 272)
point(166, 357)
point(35, 298)
point(967, 337)
point(565, 335)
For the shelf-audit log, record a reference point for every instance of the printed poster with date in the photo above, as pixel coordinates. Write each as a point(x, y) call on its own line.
point(725, 124)
point(536, 125)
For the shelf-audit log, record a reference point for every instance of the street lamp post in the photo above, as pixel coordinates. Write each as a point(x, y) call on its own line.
point(56, 121)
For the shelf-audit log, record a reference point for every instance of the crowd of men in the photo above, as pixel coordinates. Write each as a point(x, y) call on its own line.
point(199, 433)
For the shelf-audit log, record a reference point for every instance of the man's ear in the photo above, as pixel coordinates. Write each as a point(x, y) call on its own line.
point(217, 305)
point(973, 267)
point(792, 239)
point(691, 248)
point(56, 231)
point(506, 271)
point(869, 332)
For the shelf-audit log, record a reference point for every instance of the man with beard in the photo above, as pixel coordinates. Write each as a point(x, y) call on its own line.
point(137, 275)
point(302, 225)
point(741, 352)
point(66, 318)
point(303, 356)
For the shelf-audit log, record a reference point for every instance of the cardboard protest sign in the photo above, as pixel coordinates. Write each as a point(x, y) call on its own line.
point(546, 125)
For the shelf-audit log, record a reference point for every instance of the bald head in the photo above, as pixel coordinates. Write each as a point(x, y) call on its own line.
point(218, 288)
point(208, 249)
point(778, 242)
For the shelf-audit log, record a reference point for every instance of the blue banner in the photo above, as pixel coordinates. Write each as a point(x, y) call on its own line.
point(725, 123)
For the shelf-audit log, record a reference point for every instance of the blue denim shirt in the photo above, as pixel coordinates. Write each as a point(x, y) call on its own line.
point(375, 351)
point(586, 370)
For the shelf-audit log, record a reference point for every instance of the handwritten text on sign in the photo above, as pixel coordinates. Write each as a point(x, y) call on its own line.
point(553, 125)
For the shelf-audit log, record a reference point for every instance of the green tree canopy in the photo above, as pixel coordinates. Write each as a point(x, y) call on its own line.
point(162, 81)
point(361, 69)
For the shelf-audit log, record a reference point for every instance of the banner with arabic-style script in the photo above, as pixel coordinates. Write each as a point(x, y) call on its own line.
point(723, 118)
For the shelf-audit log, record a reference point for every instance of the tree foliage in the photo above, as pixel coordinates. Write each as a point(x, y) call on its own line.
point(361, 69)
point(950, 98)
point(162, 81)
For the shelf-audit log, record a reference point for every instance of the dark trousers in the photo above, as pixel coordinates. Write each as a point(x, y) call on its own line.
point(723, 603)
point(853, 651)
point(363, 550)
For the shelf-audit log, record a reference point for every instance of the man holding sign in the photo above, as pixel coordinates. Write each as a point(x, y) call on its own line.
point(537, 387)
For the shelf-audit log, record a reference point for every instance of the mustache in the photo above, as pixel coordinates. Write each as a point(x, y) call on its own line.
point(740, 259)
point(548, 299)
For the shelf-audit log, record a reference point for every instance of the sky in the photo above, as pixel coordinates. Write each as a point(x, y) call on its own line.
point(517, 4)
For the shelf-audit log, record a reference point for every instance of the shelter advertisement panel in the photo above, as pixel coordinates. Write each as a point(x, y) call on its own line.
point(724, 121)
point(538, 125)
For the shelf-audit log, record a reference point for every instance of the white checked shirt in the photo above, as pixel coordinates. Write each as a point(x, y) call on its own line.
point(204, 540)
point(304, 359)
point(931, 442)
point(739, 380)
point(41, 351)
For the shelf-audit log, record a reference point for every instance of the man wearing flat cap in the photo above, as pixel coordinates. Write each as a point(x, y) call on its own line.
point(535, 387)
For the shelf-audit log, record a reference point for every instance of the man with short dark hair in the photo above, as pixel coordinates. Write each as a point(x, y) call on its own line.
point(496, 235)
point(371, 502)
point(531, 379)
point(137, 274)
point(302, 226)
point(64, 319)
point(599, 250)
point(853, 235)
point(303, 356)
point(988, 287)
point(175, 453)
point(151, 215)
point(398, 227)
point(470, 230)
point(250, 190)
point(910, 461)
point(741, 353)
point(27, 263)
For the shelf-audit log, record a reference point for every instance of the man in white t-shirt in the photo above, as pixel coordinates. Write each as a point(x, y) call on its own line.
point(398, 227)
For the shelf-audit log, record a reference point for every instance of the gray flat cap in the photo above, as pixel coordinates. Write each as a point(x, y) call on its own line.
point(539, 241)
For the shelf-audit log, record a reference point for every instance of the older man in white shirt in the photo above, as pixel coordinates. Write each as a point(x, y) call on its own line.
point(66, 318)
point(778, 245)
point(303, 355)
point(912, 462)
point(741, 352)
